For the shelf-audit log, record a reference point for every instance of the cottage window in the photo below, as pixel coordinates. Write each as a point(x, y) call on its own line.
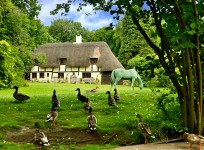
point(48, 74)
point(93, 61)
point(86, 75)
point(60, 75)
point(41, 75)
point(63, 61)
point(34, 75)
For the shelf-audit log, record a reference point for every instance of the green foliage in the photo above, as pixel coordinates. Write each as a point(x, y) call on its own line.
point(117, 39)
point(150, 70)
point(66, 31)
point(105, 34)
point(167, 104)
point(30, 7)
point(130, 45)
point(10, 65)
point(23, 32)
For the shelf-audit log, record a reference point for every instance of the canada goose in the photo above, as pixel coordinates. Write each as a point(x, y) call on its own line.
point(19, 96)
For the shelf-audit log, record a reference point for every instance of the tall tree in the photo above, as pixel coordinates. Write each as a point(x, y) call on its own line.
point(30, 7)
point(66, 30)
point(132, 42)
point(105, 34)
point(117, 38)
point(22, 34)
point(179, 25)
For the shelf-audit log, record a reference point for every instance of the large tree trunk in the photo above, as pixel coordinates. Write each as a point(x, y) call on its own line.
point(190, 89)
point(198, 73)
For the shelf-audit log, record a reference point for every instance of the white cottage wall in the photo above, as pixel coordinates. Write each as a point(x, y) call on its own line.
point(52, 74)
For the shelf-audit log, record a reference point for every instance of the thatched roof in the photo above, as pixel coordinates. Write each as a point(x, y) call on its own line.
point(80, 54)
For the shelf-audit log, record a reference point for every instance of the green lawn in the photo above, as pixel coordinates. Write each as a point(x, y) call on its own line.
point(121, 118)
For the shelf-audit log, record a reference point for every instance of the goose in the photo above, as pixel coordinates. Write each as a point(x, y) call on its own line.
point(91, 121)
point(40, 138)
point(92, 90)
point(52, 116)
point(111, 101)
point(144, 128)
point(80, 97)
point(55, 100)
point(19, 96)
point(116, 95)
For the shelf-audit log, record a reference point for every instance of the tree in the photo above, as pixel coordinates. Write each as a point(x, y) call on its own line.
point(117, 39)
point(10, 65)
point(105, 34)
point(66, 30)
point(179, 26)
point(132, 42)
point(22, 34)
point(30, 7)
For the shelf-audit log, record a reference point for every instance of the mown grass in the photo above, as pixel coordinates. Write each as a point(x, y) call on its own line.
point(121, 119)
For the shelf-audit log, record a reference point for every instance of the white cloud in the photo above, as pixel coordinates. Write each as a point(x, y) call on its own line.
point(91, 22)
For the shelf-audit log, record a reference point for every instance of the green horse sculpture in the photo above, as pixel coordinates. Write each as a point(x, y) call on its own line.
point(130, 74)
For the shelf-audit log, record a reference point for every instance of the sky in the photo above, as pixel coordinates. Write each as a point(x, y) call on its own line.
point(92, 22)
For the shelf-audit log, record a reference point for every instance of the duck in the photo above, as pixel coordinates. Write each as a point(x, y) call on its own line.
point(116, 95)
point(52, 116)
point(87, 105)
point(111, 101)
point(55, 100)
point(144, 128)
point(19, 96)
point(80, 97)
point(193, 139)
point(40, 138)
point(91, 121)
point(92, 90)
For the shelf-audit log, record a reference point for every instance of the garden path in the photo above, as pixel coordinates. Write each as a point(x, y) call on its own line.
point(164, 146)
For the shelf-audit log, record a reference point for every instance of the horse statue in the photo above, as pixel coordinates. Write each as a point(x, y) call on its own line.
point(130, 74)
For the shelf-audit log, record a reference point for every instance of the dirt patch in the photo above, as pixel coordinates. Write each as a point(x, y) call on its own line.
point(56, 136)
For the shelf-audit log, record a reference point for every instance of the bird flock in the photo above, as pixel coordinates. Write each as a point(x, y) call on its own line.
point(41, 139)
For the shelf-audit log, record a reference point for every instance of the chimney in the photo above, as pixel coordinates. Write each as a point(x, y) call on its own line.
point(78, 39)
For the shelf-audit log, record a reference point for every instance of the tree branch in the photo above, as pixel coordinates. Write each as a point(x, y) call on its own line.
point(167, 7)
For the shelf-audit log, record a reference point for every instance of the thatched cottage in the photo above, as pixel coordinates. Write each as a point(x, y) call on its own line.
point(90, 62)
